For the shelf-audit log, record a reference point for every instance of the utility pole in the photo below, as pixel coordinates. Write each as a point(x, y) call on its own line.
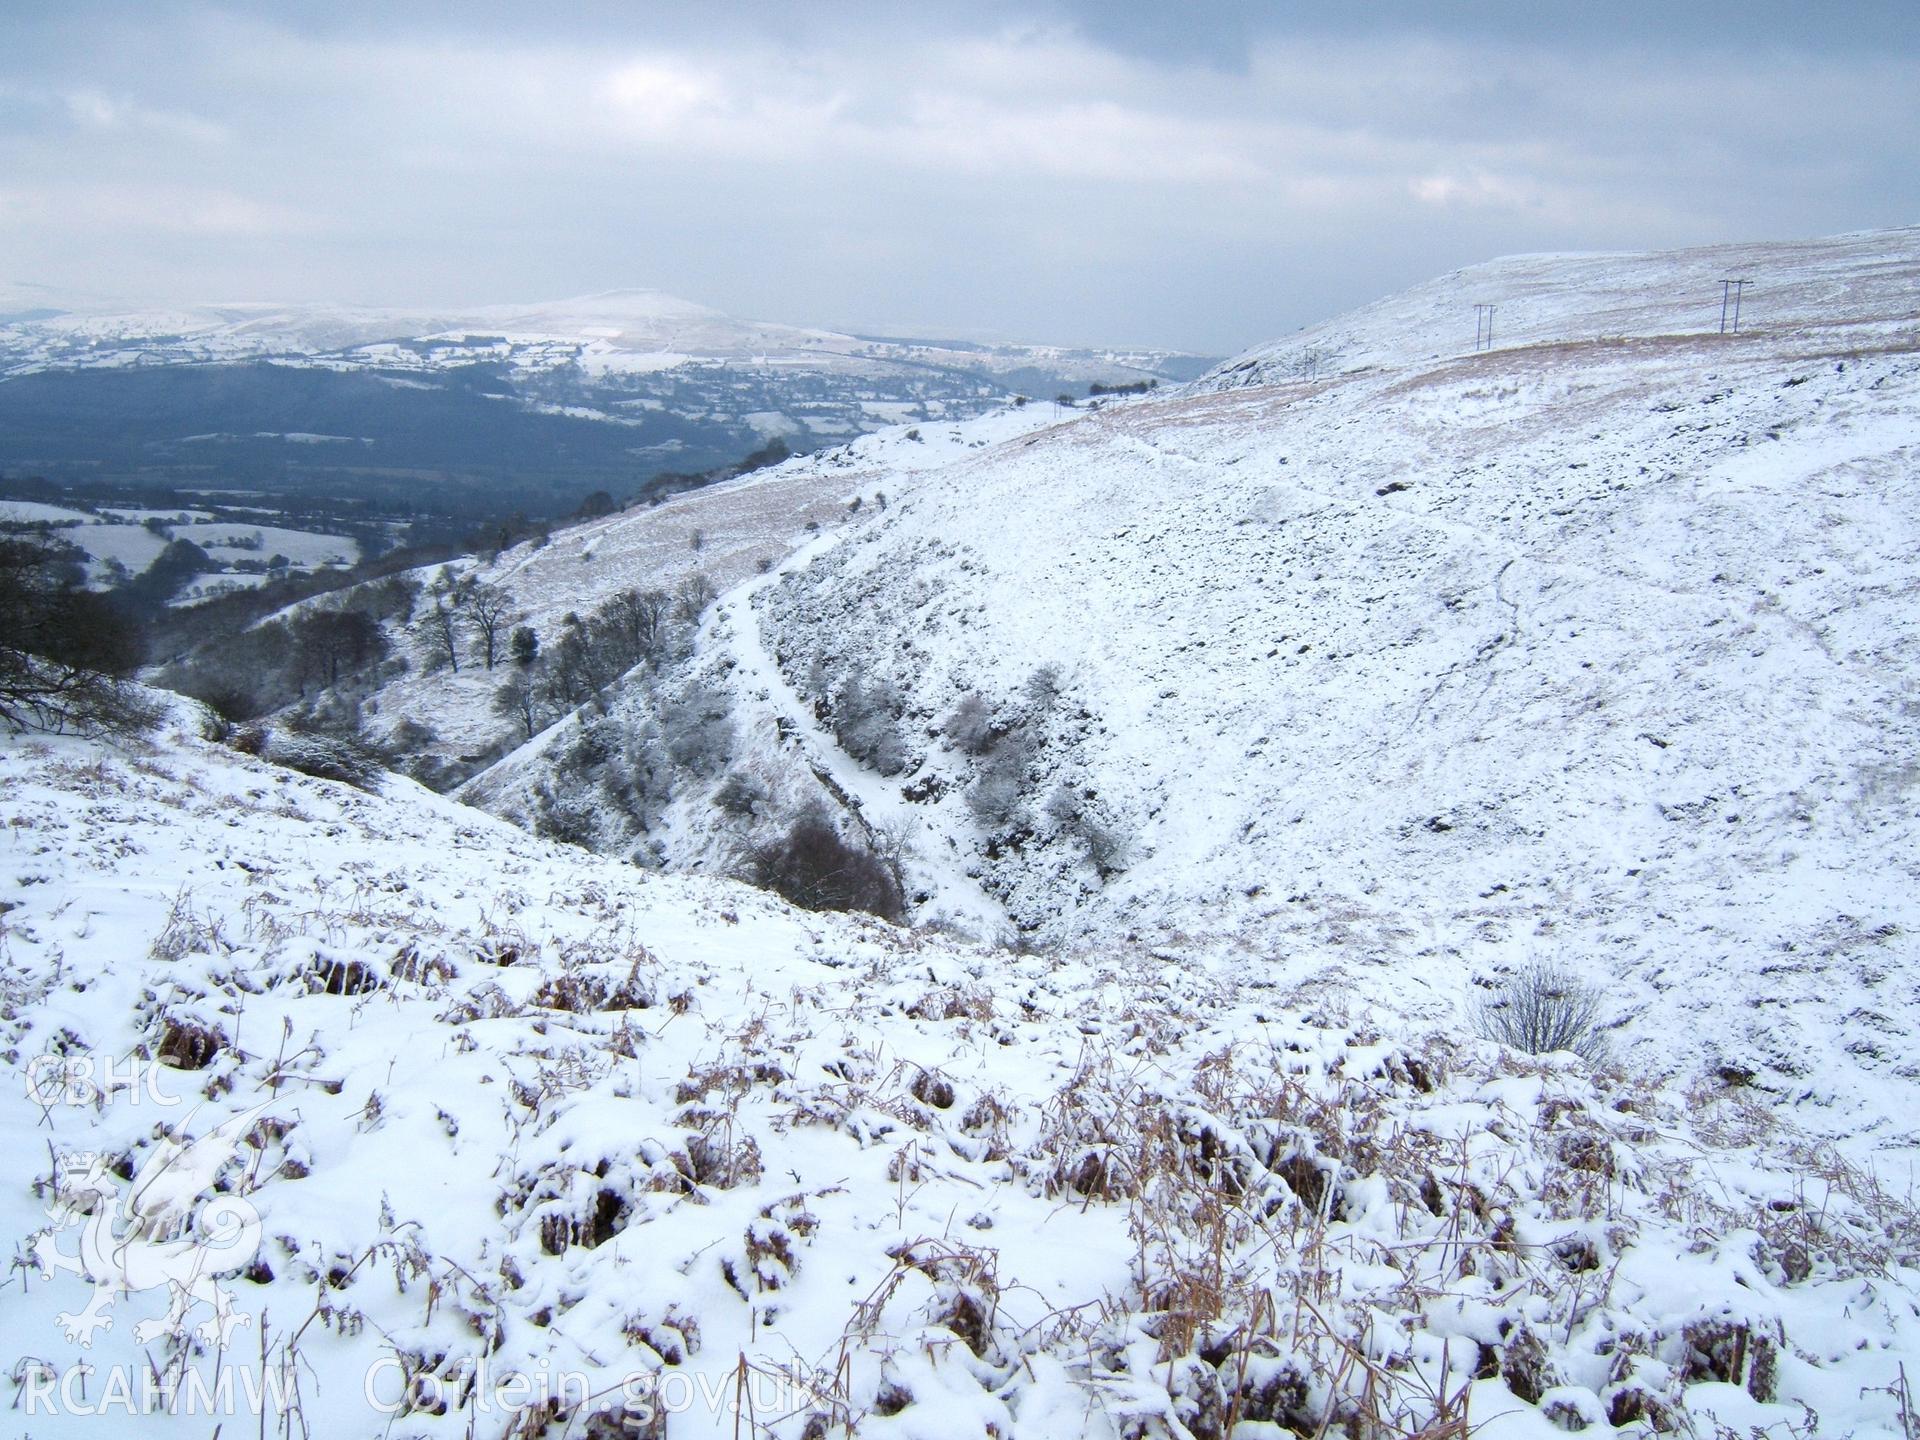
point(1730, 291)
point(1482, 328)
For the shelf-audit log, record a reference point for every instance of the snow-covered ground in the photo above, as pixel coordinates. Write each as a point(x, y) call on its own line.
point(726, 532)
point(33, 512)
point(1600, 652)
point(1315, 705)
point(119, 537)
point(229, 540)
point(1856, 290)
point(506, 1121)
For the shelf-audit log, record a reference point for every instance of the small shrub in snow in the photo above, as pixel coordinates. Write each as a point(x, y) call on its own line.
point(813, 866)
point(1077, 813)
point(1543, 1008)
point(580, 993)
point(674, 1336)
point(717, 1158)
point(998, 796)
point(698, 729)
point(563, 816)
point(970, 726)
point(953, 1002)
point(866, 723)
point(743, 795)
point(411, 966)
point(1043, 688)
point(930, 1087)
point(330, 976)
point(330, 757)
point(189, 1045)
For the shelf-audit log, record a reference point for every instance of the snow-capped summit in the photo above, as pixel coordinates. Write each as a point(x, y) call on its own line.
point(622, 329)
point(1861, 284)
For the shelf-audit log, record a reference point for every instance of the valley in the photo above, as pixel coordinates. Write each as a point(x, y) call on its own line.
point(1154, 802)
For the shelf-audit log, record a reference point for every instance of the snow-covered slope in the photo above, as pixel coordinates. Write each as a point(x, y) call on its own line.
point(1595, 650)
point(551, 1148)
point(1861, 286)
point(726, 532)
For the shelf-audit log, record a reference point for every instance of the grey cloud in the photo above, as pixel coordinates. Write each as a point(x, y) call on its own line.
point(1205, 176)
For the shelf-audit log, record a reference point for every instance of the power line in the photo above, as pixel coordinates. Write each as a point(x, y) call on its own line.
point(1730, 291)
point(1482, 328)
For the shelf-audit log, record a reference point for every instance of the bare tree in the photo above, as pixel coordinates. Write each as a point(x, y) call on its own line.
point(640, 618)
point(519, 700)
point(894, 842)
point(440, 629)
point(331, 640)
point(491, 612)
point(692, 596)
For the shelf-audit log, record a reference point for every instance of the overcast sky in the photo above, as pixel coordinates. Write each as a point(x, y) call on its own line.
point(1197, 175)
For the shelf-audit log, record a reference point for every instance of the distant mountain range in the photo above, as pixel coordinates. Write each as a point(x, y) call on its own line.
point(529, 406)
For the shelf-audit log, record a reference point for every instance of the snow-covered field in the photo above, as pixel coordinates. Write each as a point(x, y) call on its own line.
point(1277, 718)
point(501, 1121)
point(229, 540)
point(33, 512)
point(133, 546)
point(125, 541)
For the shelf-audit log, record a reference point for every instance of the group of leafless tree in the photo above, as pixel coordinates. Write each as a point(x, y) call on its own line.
point(467, 617)
point(647, 629)
point(64, 651)
point(324, 645)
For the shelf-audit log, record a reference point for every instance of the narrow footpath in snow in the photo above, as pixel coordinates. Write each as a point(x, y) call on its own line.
point(733, 628)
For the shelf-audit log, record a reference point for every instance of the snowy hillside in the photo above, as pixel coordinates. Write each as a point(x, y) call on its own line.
point(512, 1141)
point(1600, 651)
point(1861, 286)
point(1271, 725)
point(621, 330)
point(725, 532)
